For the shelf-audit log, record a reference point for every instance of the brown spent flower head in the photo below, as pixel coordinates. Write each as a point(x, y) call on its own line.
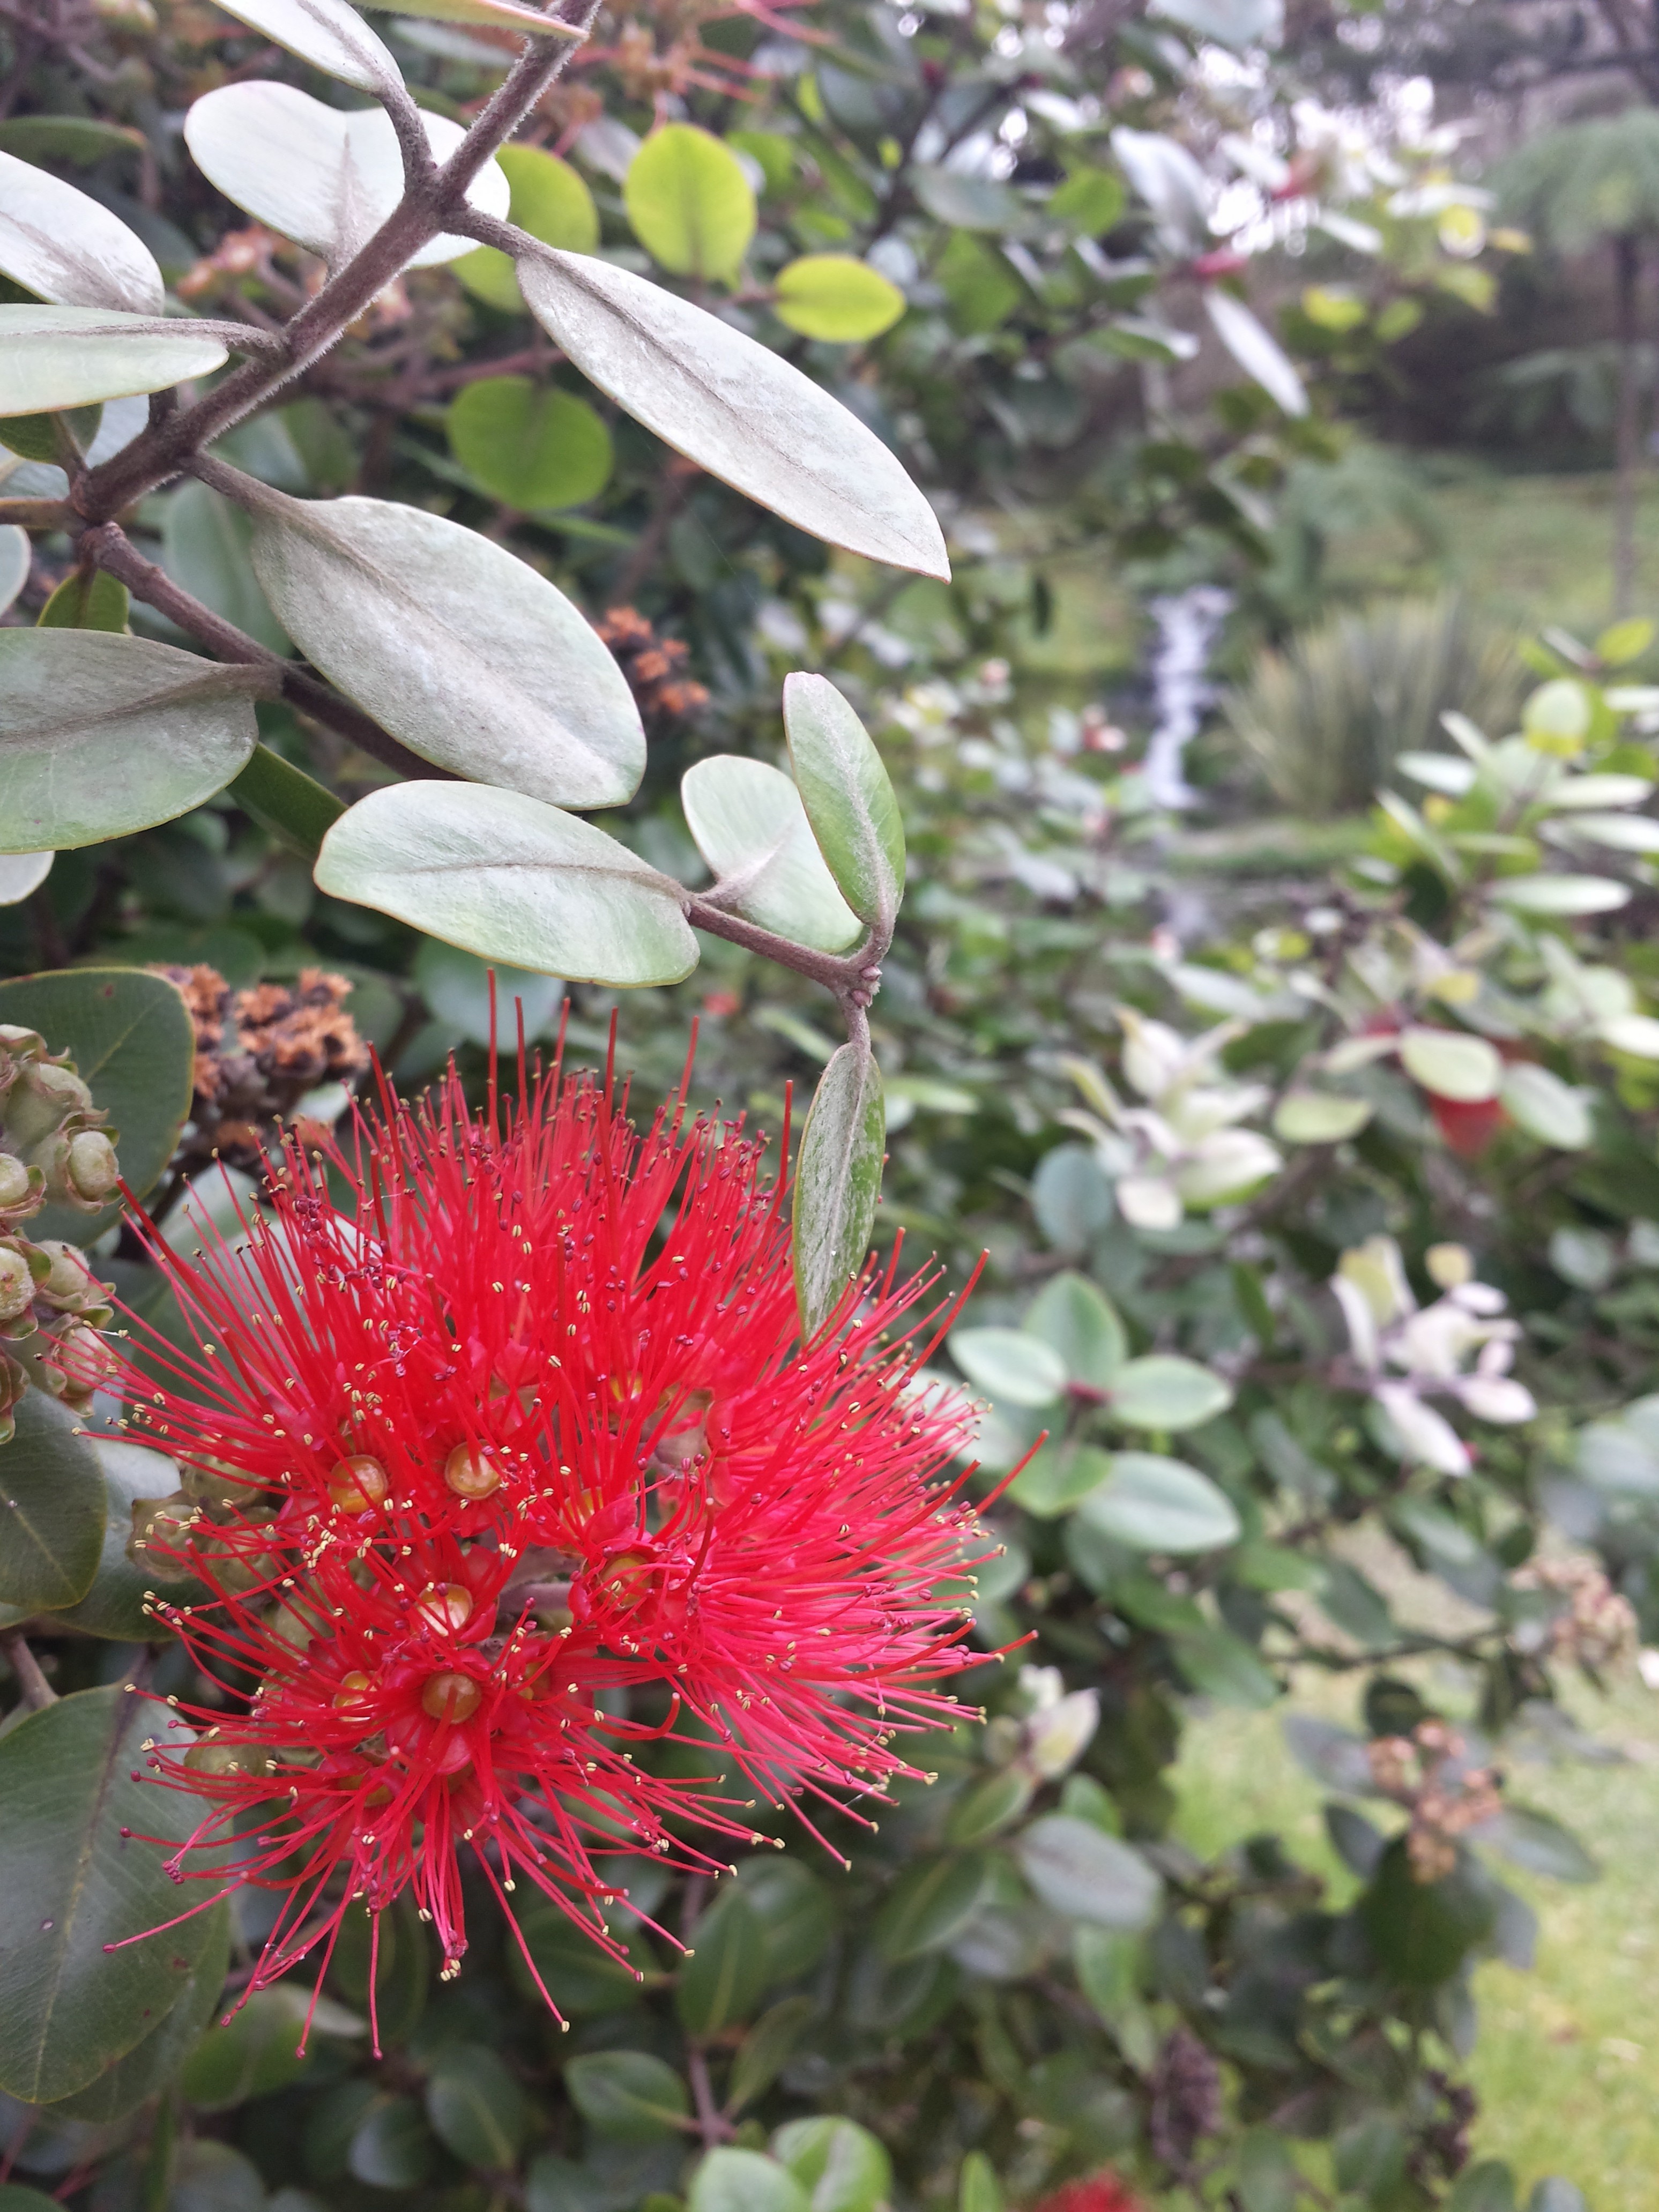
point(259, 1051)
point(1425, 1772)
point(1595, 1627)
point(652, 666)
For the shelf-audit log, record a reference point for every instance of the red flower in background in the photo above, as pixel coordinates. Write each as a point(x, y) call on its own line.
point(522, 1427)
point(1099, 2192)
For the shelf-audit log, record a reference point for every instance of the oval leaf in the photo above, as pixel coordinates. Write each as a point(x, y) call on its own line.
point(751, 827)
point(1545, 1108)
point(74, 1885)
point(1010, 1366)
point(21, 873)
point(150, 2066)
point(1557, 895)
point(724, 1979)
point(1452, 1065)
point(627, 2094)
point(130, 1037)
point(102, 735)
point(690, 205)
point(530, 446)
point(329, 35)
point(1053, 1479)
point(1155, 1505)
point(324, 179)
point(731, 2180)
point(848, 797)
point(510, 880)
point(551, 201)
point(1260, 356)
point(458, 648)
point(834, 298)
point(476, 2108)
point(1076, 1868)
point(1081, 1324)
point(56, 357)
point(1164, 1391)
point(1319, 1117)
point(52, 1508)
point(734, 408)
point(842, 2166)
point(931, 1902)
point(65, 246)
point(837, 1182)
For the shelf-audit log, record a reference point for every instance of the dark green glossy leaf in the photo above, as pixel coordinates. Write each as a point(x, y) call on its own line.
point(627, 2094)
point(767, 2048)
point(477, 2109)
point(393, 2147)
point(151, 2064)
point(929, 1903)
point(87, 600)
point(722, 1982)
point(68, 2005)
point(1076, 1868)
point(842, 2167)
point(286, 801)
point(52, 1508)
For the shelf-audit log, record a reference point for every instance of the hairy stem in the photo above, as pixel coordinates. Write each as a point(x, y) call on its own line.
point(36, 1691)
point(431, 203)
point(853, 977)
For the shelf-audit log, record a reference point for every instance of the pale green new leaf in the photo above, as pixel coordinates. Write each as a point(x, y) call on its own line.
point(1151, 1503)
point(1452, 1064)
point(56, 357)
point(835, 298)
point(734, 407)
point(848, 797)
point(837, 1182)
point(751, 827)
point(69, 248)
point(511, 879)
point(690, 205)
point(461, 650)
point(101, 735)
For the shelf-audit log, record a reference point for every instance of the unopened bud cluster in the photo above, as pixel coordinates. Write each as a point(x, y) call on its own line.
point(54, 1150)
point(1429, 1772)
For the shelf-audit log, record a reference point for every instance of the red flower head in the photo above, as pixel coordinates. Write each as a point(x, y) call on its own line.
point(1099, 2192)
point(513, 1461)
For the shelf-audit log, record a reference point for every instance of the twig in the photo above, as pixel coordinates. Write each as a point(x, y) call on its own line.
point(36, 1691)
point(38, 513)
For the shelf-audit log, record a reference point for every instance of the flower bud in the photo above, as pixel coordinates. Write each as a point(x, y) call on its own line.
point(19, 1184)
point(84, 1362)
point(210, 1758)
point(67, 1280)
point(16, 1283)
point(41, 1100)
point(91, 1169)
point(160, 1524)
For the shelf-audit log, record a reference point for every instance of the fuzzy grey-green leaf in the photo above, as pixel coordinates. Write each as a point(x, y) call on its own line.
point(848, 797)
point(837, 1182)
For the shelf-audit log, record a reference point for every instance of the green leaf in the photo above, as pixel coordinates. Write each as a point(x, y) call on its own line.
point(1077, 1869)
point(993, 1803)
point(1090, 200)
point(113, 1606)
point(1452, 1065)
point(73, 1884)
point(751, 827)
point(837, 1182)
point(932, 1901)
point(765, 2050)
point(151, 2064)
point(458, 648)
point(1164, 1391)
point(1320, 1117)
point(68, 249)
point(56, 357)
point(1257, 353)
point(267, 145)
point(286, 802)
point(794, 1909)
point(81, 139)
point(393, 2147)
point(530, 446)
point(40, 437)
point(735, 408)
point(979, 2189)
point(256, 2050)
point(329, 35)
point(210, 2176)
point(1547, 1109)
point(1081, 1324)
point(1055, 1477)
point(1540, 1844)
point(848, 797)
point(476, 2108)
point(456, 986)
point(87, 600)
point(100, 736)
point(835, 298)
point(627, 2094)
point(1010, 1366)
point(1422, 1931)
point(491, 15)
point(583, 1977)
point(1488, 2186)
point(1562, 896)
point(510, 880)
point(967, 202)
point(723, 1981)
point(1152, 1503)
point(131, 1036)
point(690, 205)
point(1222, 1666)
point(52, 1508)
point(729, 2181)
point(842, 2167)
point(1268, 2178)
point(551, 201)
point(207, 547)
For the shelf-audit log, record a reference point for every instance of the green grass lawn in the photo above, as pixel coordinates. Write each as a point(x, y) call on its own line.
point(1567, 2063)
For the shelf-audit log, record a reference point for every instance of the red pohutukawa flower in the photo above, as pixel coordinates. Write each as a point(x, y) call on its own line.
point(513, 1463)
